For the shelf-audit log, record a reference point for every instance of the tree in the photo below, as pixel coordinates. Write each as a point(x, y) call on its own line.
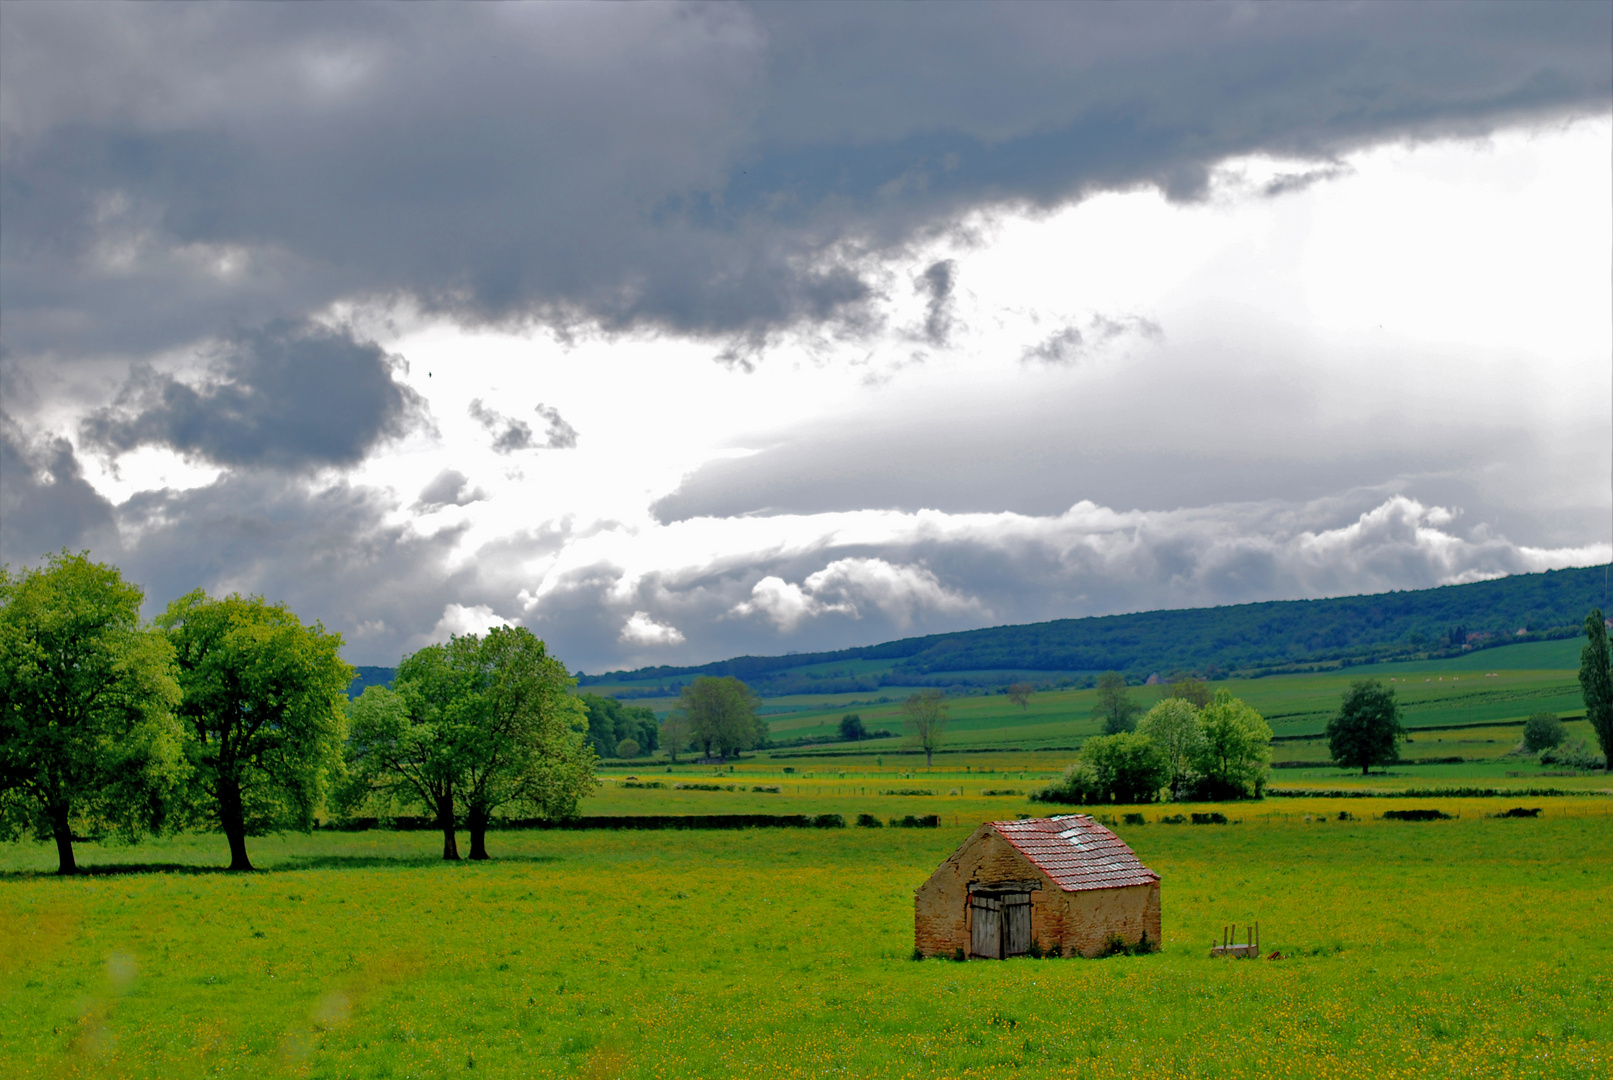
point(925, 714)
point(472, 725)
point(1366, 731)
point(610, 722)
point(524, 737)
point(1176, 728)
point(1542, 731)
point(851, 727)
point(721, 714)
point(627, 748)
point(1128, 767)
point(1596, 682)
point(1231, 760)
point(1114, 706)
point(675, 733)
point(88, 739)
point(264, 706)
point(1020, 694)
point(1187, 688)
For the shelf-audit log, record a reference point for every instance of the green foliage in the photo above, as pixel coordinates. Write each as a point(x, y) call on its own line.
point(1542, 731)
point(1128, 767)
point(924, 714)
point(264, 709)
point(627, 748)
point(851, 727)
point(610, 722)
point(1020, 694)
point(721, 713)
point(1175, 726)
point(1191, 690)
point(1573, 754)
point(1230, 762)
point(1114, 705)
point(1367, 730)
point(88, 740)
point(1596, 682)
point(471, 726)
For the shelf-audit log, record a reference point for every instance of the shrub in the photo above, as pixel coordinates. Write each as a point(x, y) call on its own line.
point(829, 821)
point(628, 748)
point(1416, 815)
point(907, 791)
point(1573, 754)
point(1214, 817)
point(1135, 819)
point(1125, 768)
point(1519, 811)
point(1543, 731)
point(770, 788)
point(869, 821)
point(695, 786)
point(642, 784)
point(991, 791)
point(1173, 819)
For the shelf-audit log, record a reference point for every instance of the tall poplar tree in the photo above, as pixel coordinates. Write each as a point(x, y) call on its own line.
point(1596, 682)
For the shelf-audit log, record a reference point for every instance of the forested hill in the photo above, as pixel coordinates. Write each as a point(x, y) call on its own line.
point(1243, 638)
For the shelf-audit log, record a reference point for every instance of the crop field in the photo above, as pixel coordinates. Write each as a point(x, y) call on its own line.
point(1475, 946)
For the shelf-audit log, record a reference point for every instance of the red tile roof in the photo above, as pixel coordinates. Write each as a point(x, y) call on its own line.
point(1076, 852)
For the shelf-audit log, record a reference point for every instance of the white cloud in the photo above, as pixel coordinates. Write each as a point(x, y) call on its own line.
point(459, 619)
point(641, 629)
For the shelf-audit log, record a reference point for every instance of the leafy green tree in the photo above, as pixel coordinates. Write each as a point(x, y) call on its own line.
point(722, 715)
point(925, 714)
point(1187, 688)
point(610, 721)
point(1128, 767)
point(851, 727)
point(1542, 731)
point(1175, 726)
point(264, 704)
point(676, 733)
point(1596, 682)
point(627, 748)
point(1367, 730)
point(528, 740)
point(88, 739)
point(1020, 694)
point(403, 742)
point(1114, 705)
point(1231, 761)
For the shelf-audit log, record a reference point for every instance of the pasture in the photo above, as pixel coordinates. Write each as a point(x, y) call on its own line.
point(1472, 946)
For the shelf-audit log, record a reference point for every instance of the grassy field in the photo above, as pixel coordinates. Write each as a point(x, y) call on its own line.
point(1470, 947)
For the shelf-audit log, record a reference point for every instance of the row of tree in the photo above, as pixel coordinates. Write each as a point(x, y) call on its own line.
point(230, 713)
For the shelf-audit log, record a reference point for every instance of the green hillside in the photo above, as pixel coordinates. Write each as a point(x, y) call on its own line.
point(1452, 623)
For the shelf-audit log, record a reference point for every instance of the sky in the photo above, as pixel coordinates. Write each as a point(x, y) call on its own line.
point(679, 331)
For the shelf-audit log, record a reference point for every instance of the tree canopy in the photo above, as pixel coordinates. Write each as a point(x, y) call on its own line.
point(1174, 724)
point(851, 727)
point(1596, 682)
point(610, 723)
point(1367, 730)
point(1020, 694)
point(721, 714)
point(88, 739)
point(925, 714)
point(1114, 705)
point(1230, 760)
point(264, 705)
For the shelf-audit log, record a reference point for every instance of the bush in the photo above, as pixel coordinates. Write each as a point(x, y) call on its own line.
point(1124, 768)
point(642, 784)
point(1519, 811)
point(770, 788)
point(1573, 754)
point(988, 792)
point(1543, 731)
point(869, 821)
point(907, 791)
point(1135, 819)
point(928, 821)
point(1214, 817)
point(1173, 819)
point(693, 786)
point(628, 748)
point(829, 821)
point(1416, 815)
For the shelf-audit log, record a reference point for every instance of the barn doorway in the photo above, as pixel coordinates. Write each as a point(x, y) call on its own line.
point(1000, 924)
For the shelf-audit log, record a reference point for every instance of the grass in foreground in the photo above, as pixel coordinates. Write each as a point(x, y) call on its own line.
point(1468, 947)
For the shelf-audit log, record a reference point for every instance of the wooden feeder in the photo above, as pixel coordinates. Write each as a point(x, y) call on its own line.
point(1249, 949)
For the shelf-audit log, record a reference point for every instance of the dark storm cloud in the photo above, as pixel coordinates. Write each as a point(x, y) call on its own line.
point(937, 283)
point(290, 396)
point(723, 171)
point(45, 502)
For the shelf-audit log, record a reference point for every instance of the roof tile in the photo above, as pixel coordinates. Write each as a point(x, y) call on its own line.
point(1076, 852)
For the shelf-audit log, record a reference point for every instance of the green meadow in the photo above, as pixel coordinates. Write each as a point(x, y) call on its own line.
point(1475, 946)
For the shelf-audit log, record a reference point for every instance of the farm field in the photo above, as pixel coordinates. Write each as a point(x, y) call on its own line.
point(1472, 946)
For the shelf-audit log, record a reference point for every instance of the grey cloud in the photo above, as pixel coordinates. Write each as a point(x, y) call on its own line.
point(1070, 344)
point(560, 435)
point(287, 396)
point(449, 488)
point(937, 282)
point(510, 434)
point(1285, 183)
point(723, 171)
point(45, 502)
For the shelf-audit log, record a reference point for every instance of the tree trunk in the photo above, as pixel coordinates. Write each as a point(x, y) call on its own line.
point(1366, 768)
point(477, 821)
point(445, 818)
point(929, 756)
point(232, 819)
point(65, 863)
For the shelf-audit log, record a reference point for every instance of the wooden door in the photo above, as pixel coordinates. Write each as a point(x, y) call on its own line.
point(1016, 922)
point(986, 929)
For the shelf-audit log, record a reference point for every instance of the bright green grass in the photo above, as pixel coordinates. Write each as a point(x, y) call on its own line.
point(1473, 947)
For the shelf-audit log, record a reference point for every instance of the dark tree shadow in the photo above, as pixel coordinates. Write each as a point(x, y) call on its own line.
point(299, 863)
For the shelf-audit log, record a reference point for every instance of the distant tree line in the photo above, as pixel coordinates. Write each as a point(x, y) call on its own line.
point(230, 713)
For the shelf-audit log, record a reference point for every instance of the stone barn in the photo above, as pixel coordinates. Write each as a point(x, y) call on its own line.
point(1065, 883)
